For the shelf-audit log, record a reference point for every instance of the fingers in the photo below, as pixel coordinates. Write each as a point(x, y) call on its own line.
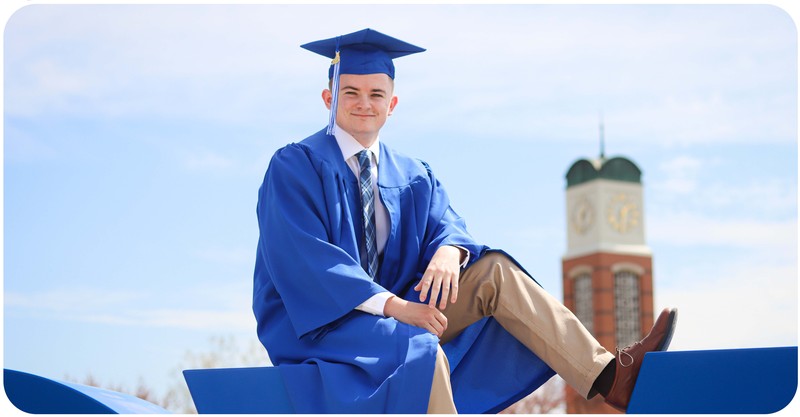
point(418, 314)
point(436, 287)
point(441, 277)
point(436, 327)
point(442, 320)
point(438, 281)
point(437, 323)
point(445, 292)
point(425, 285)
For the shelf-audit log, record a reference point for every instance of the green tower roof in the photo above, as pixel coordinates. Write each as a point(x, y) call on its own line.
point(617, 168)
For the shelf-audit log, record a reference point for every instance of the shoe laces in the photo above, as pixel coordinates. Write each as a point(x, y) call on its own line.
point(624, 351)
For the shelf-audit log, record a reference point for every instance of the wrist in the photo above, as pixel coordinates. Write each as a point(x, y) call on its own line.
point(463, 255)
point(393, 304)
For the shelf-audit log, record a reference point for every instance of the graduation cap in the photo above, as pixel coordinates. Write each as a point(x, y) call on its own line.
point(364, 52)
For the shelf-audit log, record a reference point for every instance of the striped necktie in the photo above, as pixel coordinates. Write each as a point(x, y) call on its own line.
point(368, 210)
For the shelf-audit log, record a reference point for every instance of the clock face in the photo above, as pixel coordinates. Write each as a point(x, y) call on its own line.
point(623, 213)
point(582, 216)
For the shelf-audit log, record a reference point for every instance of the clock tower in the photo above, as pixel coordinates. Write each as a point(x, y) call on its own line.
point(607, 269)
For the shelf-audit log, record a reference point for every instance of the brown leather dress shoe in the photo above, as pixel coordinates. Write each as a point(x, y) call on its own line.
point(629, 360)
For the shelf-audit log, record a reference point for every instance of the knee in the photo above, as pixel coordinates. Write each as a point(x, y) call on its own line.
point(497, 267)
point(486, 272)
point(496, 259)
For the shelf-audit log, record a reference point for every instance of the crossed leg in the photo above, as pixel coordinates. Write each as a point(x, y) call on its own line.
point(496, 286)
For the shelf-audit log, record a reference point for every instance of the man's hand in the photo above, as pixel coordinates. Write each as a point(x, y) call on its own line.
point(441, 276)
point(416, 314)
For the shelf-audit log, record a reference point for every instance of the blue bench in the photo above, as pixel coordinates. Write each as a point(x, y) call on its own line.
point(258, 390)
point(38, 395)
point(752, 381)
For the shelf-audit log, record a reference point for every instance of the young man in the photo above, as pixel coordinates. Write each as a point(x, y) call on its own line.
point(364, 270)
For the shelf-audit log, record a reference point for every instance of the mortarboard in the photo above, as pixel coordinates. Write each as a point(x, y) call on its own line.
point(364, 52)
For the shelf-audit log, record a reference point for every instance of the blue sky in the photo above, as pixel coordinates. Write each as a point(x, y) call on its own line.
point(135, 139)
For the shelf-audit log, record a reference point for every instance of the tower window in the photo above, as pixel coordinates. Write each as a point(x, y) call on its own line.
point(626, 299)
point(584, 309)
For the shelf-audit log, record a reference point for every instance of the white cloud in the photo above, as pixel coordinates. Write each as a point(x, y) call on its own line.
point(211, 321)
point(134, 61)
point(679, 175)
point(683, 165)
point(690, 119)
point(770, 196)
point(215, 308)
point(65, 300)
point(694, 229)
point(725, 76)
point(689, 186)
point(732, 305)
point(737, 205)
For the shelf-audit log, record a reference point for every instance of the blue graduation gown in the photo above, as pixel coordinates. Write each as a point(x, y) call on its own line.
point(308, 280)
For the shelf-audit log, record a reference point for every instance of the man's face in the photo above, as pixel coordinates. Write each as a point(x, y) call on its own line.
point(365, 101)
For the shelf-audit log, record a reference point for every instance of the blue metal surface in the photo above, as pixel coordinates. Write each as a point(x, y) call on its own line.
point(752, 381)
point(38, 395)
point(258, 390)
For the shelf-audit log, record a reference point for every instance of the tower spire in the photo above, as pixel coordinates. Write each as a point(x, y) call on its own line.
point(602, 138)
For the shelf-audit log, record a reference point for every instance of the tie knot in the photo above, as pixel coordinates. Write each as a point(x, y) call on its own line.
point(363, 158)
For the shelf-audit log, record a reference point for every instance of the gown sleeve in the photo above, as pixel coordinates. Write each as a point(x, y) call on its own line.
point(318, 282)
point(445, 226)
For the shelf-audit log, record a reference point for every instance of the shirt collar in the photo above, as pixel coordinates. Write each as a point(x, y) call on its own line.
point(350, 146)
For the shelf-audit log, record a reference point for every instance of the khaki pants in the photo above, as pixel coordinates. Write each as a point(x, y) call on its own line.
point(496, 286)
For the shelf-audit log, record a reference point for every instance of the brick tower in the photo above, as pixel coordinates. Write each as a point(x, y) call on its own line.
point(607, 269)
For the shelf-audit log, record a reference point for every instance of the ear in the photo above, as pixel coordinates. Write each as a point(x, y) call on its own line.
point(327, 98)
point(392, 104)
